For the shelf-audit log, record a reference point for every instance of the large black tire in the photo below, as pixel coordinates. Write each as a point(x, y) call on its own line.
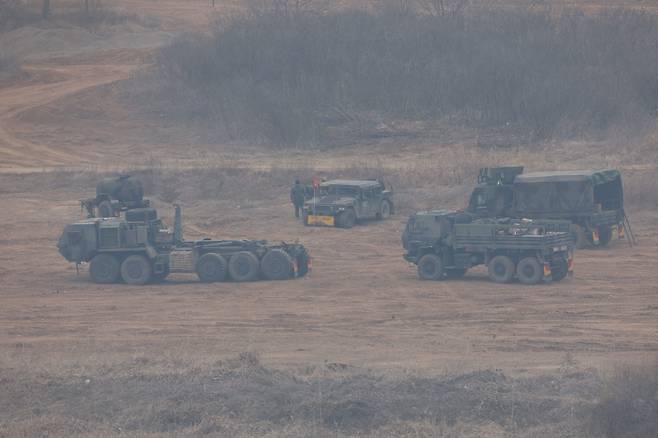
point(104, 269)
point(430, 267)
point(530, 271)
point(456, 273)
point(501, 269)
point(346, 219)
point(580, 239)
point(105, 209)
point(384, 210)
point(136, 269)
point(276, 265)
point(560, 271)
point(243, 266)
point(605, 235)
point(211, 267)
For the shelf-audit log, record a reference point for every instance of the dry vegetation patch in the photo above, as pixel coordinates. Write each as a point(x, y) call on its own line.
point(242, 397)
point(297, 77)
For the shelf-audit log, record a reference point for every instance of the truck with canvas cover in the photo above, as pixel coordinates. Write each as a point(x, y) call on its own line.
point(139, 249)
point(593, 200)
point(445, 244)
point(341, 202)
point(114, 195)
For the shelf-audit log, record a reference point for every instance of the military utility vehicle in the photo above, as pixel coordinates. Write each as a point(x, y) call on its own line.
point(445, 244)
point(342, 202)
point(114, 195)
point(593, 200)
point(140, 248)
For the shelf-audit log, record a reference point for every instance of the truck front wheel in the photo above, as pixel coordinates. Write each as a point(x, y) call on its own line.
point(104, 269)
point(501, 269)
point(530, 271)
point(561, 270)
point(430, 267)
point(384, 210)
point(136, 270)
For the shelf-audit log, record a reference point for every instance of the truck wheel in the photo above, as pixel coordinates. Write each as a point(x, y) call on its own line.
point(501, 269)
point(243, 266)
point(530, 271)
point(136, 269)
point(561, 270)
point(105, 209)
point(430, 267)
point(104, 269)
point(605, 235)
point(580, 240)
point(347, 219)
point(276, 265)
point(384, 210)
point(456, 273)
point(211, 267)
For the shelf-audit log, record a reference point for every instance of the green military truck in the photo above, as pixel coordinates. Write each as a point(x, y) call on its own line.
point(139, 249)
point(341, 203)
point(446, 244)
point(593, 200)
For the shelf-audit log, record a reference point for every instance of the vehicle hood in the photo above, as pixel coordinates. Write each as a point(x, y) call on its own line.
point(332, 200)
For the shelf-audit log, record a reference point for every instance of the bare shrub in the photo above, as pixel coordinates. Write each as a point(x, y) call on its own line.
point(15, 13)
point(629, 404)
point(641, 189)
point(296, 78)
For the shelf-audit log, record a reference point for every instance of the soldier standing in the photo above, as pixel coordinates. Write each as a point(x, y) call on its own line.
point(297, 197)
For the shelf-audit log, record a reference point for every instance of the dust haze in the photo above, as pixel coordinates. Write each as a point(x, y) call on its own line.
point(218, 106)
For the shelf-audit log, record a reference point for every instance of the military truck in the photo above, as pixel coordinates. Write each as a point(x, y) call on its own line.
point(446, 244)
point(341, 203)
point(114, 195)
point(593, 200)
point(139, 249)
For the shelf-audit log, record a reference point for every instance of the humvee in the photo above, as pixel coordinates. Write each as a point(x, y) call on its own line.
point(342, 202)
point(446, 244)
point(593, 200)
point(139, 249)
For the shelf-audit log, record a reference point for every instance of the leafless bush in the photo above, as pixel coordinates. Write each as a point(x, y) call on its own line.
point(297, 78)
point(629, 404)
point(641, 189)
point(14, 13)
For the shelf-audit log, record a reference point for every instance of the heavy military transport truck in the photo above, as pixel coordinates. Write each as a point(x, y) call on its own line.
point(139, 249)
point(445, 244)
point(114, 195)
point(340, 203)
point(593, 200)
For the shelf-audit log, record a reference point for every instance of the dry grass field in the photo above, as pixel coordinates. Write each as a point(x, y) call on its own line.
point(360, 347)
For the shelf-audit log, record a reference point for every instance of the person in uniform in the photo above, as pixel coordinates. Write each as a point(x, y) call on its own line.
point(297, 197)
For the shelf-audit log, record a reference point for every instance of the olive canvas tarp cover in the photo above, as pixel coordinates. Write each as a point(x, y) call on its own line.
point(568, 191)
